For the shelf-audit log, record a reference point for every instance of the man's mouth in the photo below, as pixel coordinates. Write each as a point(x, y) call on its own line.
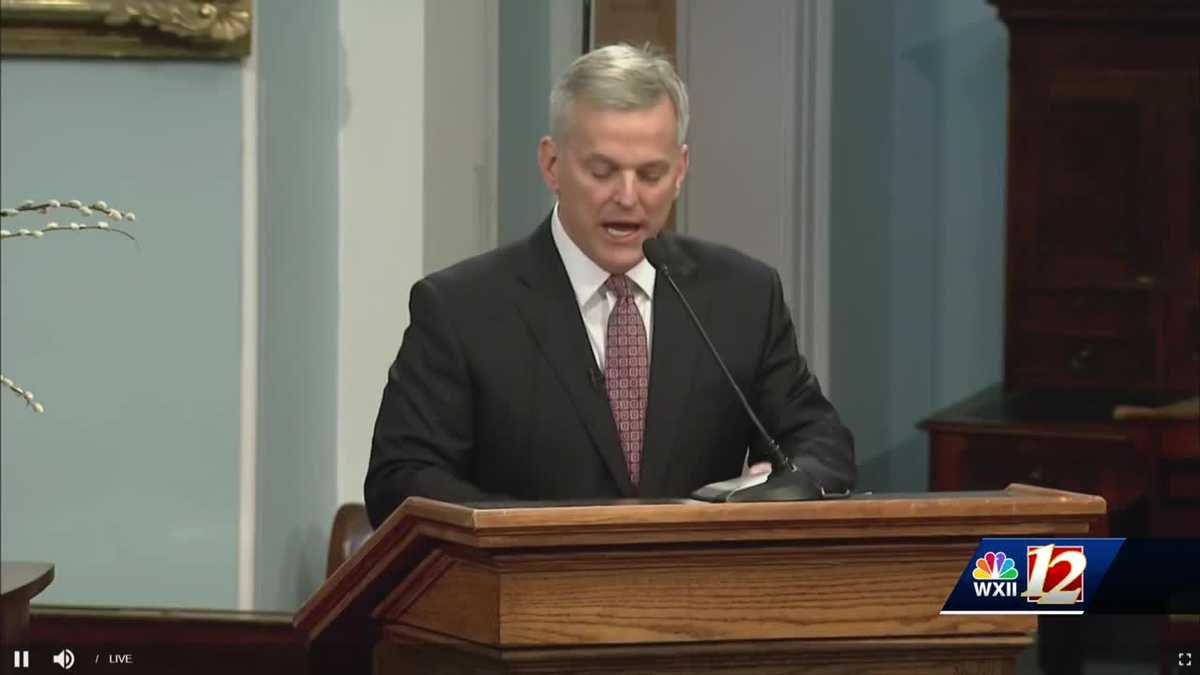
point(621, 230)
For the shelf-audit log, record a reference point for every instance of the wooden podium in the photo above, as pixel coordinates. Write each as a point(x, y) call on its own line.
point(848, 586)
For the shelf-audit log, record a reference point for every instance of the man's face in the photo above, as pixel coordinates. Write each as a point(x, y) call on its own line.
point(616, 174)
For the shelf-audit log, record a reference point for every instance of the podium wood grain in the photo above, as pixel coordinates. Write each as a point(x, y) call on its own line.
point(638, 587)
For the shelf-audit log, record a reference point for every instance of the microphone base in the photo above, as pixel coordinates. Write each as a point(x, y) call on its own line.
point(791, 486)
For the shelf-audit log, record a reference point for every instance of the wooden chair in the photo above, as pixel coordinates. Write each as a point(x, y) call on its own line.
point(350, 529)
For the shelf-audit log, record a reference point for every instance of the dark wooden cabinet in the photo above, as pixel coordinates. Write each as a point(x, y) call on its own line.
point(1102, 285)
point(1148, 471)
point(1103, 195)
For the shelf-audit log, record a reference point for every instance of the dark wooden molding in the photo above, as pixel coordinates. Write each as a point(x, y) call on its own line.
point(1088, 11)
point(172, 640)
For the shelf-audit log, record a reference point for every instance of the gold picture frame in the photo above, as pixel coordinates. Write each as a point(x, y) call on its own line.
point(149, 29)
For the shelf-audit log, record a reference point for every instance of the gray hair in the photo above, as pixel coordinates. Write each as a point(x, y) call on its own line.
point(619, 77)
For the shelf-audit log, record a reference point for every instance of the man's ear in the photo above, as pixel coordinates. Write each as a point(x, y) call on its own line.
point(548, 162)
point(684, 156)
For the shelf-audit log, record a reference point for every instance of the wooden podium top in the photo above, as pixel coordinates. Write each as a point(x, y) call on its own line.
point(554, 524)
point(351, 596)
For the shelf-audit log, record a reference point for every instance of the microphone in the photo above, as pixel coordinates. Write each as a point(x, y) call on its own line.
point(787, 482)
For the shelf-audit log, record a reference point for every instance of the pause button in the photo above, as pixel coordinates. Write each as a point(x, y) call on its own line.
point(20, 658)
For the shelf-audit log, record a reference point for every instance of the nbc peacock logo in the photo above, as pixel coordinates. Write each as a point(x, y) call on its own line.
point(995, 576)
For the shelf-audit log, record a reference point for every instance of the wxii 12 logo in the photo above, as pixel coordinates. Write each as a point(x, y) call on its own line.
point(1055, 574)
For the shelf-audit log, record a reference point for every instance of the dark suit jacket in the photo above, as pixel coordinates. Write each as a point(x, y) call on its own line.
point(492, 393)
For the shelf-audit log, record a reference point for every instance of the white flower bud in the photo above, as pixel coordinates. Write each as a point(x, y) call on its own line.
point(39, 408)
point(23, 232)
point(116, 215)
point(85, 210)
point(5, 233)
point(37, 234)
point(75, 226)
point(102, 205)
point(74, 203)
point(27, 202)
point(28, 395)
point(5, 381)
point(52, 226)
point(130, 216)
point(8, 212)
point(54, 203)
point(102, 225)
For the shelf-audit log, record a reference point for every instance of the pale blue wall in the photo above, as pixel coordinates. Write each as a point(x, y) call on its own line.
point(299, 101)
point(129, 481)
point(524, 118)
point(917, 220)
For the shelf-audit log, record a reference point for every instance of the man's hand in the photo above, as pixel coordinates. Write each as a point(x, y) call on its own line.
point(758, 468)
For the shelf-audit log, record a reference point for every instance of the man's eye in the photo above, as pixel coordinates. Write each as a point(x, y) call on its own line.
point(600, 171)
point(650, 176)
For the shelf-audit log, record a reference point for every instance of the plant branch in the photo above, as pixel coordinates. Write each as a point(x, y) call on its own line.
point(44, 207)
point(22, 393)
point(38, 233)
point(30, 206)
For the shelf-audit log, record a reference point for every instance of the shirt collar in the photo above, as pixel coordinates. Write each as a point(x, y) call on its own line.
point(586, 276)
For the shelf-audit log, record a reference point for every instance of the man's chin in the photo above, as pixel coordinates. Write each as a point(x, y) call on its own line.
point(621, 261)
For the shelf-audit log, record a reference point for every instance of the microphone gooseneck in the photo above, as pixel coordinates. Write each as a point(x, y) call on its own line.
point(655, 255)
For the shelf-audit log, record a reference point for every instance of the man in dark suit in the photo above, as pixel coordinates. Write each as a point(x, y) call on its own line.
point(563, 367)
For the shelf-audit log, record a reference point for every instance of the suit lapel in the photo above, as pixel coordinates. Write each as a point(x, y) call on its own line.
point(548, 306)
point(676, 348)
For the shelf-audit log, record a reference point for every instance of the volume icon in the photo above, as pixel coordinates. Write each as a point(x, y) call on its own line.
point(65, 659)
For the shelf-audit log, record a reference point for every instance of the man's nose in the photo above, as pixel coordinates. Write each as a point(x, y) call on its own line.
point(627, 190)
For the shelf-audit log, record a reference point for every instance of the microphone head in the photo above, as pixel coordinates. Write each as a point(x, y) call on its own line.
point(655, 252)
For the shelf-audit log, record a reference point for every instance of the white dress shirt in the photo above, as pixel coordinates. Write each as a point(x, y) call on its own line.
point(595, 301)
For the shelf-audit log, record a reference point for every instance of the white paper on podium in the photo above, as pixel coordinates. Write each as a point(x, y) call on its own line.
point(719, 491)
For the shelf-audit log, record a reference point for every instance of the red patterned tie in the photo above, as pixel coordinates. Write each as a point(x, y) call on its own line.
point(627, 372)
